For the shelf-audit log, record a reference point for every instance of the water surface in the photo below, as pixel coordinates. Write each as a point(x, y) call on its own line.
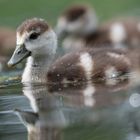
point(85, 112)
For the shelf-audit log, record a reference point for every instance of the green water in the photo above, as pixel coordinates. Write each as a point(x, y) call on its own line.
point(112, 117)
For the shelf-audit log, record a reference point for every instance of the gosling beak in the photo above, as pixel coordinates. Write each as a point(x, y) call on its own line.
point(19, 54)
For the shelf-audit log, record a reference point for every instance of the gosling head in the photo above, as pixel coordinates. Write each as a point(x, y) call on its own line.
point(78, 19)
point(34, 38)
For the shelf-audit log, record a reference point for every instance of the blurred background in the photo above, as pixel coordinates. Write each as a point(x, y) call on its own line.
point(12, 13)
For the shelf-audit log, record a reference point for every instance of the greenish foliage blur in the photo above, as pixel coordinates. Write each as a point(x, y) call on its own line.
point(13, 12)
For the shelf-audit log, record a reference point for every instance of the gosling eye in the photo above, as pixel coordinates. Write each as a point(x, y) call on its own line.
point(34, 36)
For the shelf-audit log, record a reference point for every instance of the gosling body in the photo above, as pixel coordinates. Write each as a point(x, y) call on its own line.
point(37, 41)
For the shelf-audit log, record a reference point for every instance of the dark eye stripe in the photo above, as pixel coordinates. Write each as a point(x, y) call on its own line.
point(34, 36)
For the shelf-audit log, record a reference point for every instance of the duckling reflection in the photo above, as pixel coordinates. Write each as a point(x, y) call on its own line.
point(58, 111)
point(95, 106)
point(36, 129)
point(58, 114)
point(76, 94)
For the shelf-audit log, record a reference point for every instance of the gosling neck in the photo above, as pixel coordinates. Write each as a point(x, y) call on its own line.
point(36, 69)
point(37, 66)
point(41, 61)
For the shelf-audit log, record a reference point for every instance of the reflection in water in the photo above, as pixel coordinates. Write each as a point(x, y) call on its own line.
point(83, 111)
point(10, 127)
point(135, 99)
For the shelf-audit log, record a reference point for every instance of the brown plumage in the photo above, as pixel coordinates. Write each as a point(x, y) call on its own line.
point(131, 27)
point(102, 37)
point(7, 45)
point(7, 41)
point(83, 30)
point(70, 69)
point(66, 67)
point(31, 25)
point(75, 12)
